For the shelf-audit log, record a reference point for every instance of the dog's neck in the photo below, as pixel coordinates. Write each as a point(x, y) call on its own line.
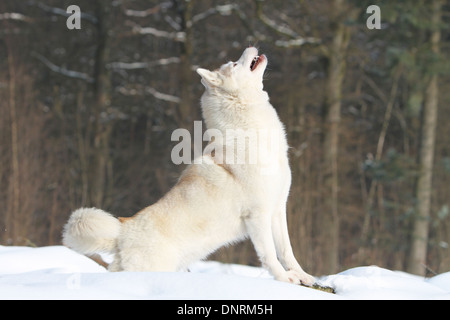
point(232, 112)
point(217, 99)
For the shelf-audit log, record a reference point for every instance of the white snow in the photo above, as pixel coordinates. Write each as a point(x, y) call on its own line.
point(57, 272)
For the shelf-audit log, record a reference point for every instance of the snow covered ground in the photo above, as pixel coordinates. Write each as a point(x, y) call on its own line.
point(57, 272)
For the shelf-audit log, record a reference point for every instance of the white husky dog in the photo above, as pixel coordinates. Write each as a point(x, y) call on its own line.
point(214, 203)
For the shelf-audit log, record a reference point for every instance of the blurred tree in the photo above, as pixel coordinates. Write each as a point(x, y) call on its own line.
point(341, 14)
point(417, 263)
point(100, 160)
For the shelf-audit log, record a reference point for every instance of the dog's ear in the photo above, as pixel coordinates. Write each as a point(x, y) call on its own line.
point(209, 78)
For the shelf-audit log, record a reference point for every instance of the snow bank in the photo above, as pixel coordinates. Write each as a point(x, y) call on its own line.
point(378, 283)
point(59, 273)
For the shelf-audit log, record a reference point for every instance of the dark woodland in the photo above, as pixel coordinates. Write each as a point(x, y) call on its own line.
point(86, 117)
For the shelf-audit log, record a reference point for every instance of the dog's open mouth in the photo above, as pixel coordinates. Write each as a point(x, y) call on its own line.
point(255, 62)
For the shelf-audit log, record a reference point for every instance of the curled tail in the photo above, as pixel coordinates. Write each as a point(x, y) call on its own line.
point(91, 230)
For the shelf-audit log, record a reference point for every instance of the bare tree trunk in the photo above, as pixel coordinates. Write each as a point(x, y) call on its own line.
point(336, 71)
point(370, 199)
point(187, 113)
point(83, 146)
point(103, 127)
point(418, 252)
point(14, 199)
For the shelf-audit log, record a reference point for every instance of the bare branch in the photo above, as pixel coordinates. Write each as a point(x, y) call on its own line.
point(296, 42)
point(296, 39)
point(228, 9)
point(175, 25)
point(63, 71)
point(142, 14)
point(143, 65)
point(224, 10)
point(15, 16)
point(162, 96)
point(149, 90)
point(284, 30)
point(149, 11)
point(176, 36)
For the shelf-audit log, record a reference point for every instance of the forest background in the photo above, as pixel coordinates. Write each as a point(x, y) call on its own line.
point(86, 117)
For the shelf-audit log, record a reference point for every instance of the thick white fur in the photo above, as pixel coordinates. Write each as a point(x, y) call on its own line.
point(213, 203)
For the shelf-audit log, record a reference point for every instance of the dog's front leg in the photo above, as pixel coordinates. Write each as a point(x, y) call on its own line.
point(259, 229)
point(284, 248)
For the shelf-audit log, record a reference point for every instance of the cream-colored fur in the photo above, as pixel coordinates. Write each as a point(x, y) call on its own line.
point(218, 200)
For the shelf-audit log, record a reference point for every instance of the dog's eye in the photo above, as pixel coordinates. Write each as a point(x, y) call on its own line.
point(234, 64)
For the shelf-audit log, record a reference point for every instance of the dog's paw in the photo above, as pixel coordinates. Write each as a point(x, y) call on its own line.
point(306, 279)
point(297, 277)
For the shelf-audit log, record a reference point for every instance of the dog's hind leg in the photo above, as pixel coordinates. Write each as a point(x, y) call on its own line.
point(148, 260)
point(115, 266)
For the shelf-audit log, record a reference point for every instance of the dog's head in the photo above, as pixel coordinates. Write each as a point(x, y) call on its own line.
point(241, 76)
